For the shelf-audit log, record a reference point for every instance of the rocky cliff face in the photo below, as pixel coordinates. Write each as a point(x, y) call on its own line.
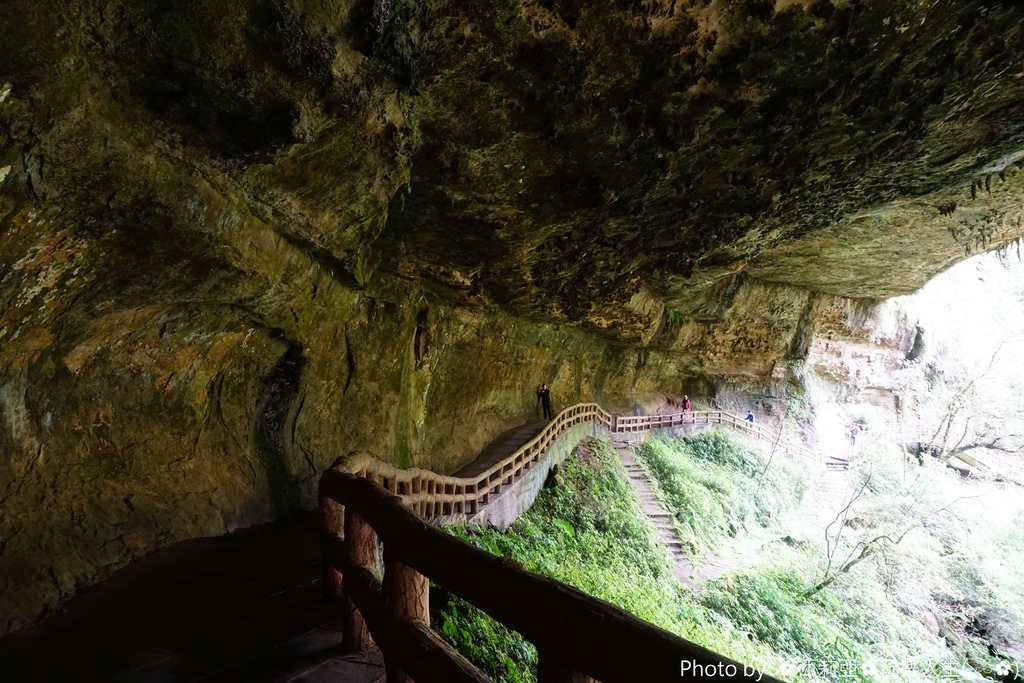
point(239, 238)
point(939, 367)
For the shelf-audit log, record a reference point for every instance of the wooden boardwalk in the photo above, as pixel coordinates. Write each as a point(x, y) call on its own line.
point(242, 608)
point(502, 447)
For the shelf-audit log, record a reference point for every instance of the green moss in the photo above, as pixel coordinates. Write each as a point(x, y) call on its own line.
point(277, 479)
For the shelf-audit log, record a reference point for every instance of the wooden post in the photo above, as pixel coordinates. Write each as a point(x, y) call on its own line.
point(361, 551)
point(553, 670)
point(407, 598)
point(332, 520)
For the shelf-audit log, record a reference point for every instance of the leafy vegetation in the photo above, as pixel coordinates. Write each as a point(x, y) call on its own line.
point(903, 580)
point(936, 598)
point(588, 532)
point(716, 486)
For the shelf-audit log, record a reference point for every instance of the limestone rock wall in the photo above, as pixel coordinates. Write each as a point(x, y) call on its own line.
point(239, 238)
point(151, 392)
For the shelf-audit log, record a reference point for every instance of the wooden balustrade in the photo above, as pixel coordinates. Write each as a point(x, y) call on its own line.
point(435, 495)
point(579, 638)
point(642, 423)
point(365, 502)
point(461, 498)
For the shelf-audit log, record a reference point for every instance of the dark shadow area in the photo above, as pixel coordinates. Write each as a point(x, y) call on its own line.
point(242, 607)
point(208, 116)
point(504, 445)
point(273, 436)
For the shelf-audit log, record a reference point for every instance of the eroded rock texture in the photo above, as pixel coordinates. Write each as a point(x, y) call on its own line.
point(239, 238)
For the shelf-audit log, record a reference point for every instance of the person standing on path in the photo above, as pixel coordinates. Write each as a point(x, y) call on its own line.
point(686, 404)
point(544, 396)
point(750, 417)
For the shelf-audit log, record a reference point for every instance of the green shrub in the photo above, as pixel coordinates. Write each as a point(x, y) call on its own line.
point(714, 486)
point(588, 532)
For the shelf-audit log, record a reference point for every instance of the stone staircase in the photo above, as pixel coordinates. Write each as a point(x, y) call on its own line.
point(835, 463)
point(652, 508)
point(831, 490)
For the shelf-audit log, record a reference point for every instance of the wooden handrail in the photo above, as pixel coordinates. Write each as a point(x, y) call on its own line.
point(647, 422)
point(364, 502)
point(459, 499)
point(578, 637)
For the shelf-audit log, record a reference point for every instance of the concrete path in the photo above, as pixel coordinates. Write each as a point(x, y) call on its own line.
point(661, 520)
point(240, 608)
point(503, 446)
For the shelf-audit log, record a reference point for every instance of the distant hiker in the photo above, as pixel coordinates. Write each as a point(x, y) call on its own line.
point(750, 417)
point(686, 403)
point(854, 431)
point(544, 396)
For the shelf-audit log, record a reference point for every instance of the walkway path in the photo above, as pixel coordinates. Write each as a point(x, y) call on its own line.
point(503, 446)
point(686, 572)
point(652, 508)
point(832, 491)
point(240, 608)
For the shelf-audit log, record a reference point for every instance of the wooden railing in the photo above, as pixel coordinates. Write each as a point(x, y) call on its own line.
point(434, 495)
point(641, 423)
point(460, 499)
point(578, 638)
point(366, 504)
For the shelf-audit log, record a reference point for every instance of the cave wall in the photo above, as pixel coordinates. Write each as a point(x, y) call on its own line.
point(240, 238)
point(151, 392)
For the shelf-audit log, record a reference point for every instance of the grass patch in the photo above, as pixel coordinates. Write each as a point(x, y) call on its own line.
point(716, 486)
point(588, 532)
point(917, 568)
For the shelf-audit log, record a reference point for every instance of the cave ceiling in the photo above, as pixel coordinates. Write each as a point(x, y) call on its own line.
point(600, 163)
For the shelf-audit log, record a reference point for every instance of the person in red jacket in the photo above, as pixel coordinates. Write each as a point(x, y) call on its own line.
point(686, 403)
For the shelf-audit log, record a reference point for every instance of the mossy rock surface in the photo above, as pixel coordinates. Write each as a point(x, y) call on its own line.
point(241, 238)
